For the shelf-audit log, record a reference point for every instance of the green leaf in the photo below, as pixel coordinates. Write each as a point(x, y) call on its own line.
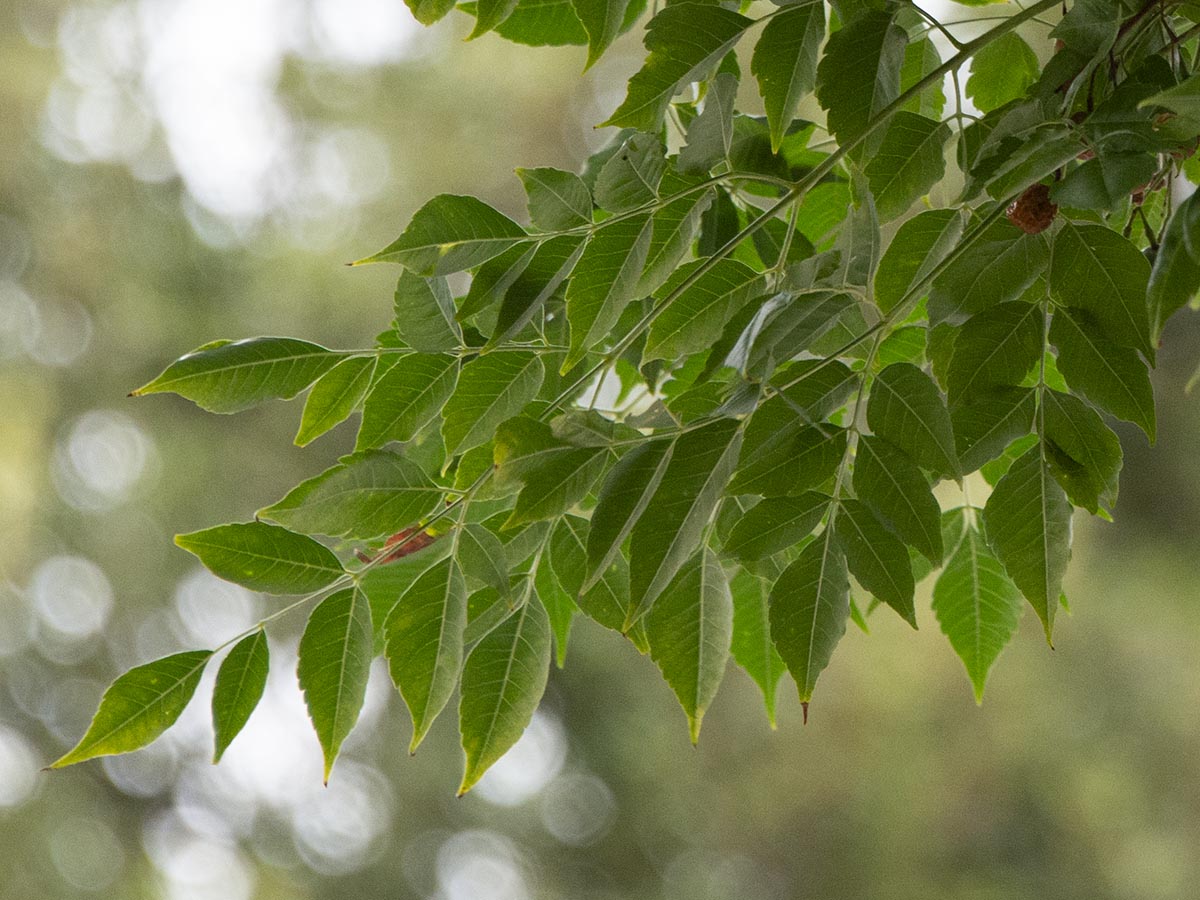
point(671, 528)
point(225, 377)
point(384, 583)
point(785, 63)
point(334, 663)
point(502, 683)
point(451, 233)
point(335, 397)
point(977, 607)
point(995, 348)
point(568, 553)
point(1000, 72)
point(783, 453)
point(859, 242)
point(1182, 99)
point(1028, 523)
point(364, 496)
point(1106, 181)
point(770, 240)
point(997, 267)
point(139, 706)
point(240, 684)
point(1083, 453)
point(993, 471)
point(1095, 269)
point(557, 200)
point(624, 496)
point(406, 398)
point(684, 40)
point(813, 389)
point(710, 134)
point(910, 160)
point(631, 177)
point(263, 557)
point(491, 283)
point(491, 388)
point(921, 59)
point(877, 558)
point(547, 269)
point(892, 485)
point(425, 311)
point(424, 643)
point(751, 645)
point(787, 462)
point(1175, 276)
point(556, 475)
point(919, 246)
point(988, 422)
point(719, 225)
point(540, 23)
point(522, 542)
point(907, 409)
point(859, 73)
point(489, 14)
point(605, 280)
point(603, 20)
point(673, 228)
point(1111, 376)
point(483, 558)
point(788, 325)
point(694, 318)
point(560, 609)
point(689, 630)
point(776, 524)
point(429, 11)
point(907, 344)
point(809, 606)
point(1090, 27)
point(607, 600)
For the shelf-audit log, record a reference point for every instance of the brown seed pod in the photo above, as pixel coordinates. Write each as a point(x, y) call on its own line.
point(1033, 212)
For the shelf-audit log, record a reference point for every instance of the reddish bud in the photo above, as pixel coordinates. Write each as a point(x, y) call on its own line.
point(1033, 212)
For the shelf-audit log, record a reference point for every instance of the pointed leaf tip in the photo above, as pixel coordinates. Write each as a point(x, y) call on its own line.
point(804, 707)
point(139, 706)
